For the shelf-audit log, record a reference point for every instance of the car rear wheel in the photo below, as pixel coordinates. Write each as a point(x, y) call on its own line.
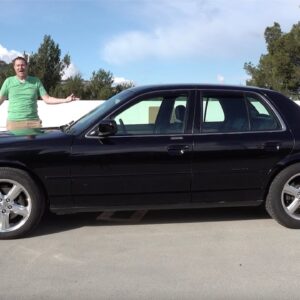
point(21, 203)
point(283, 200)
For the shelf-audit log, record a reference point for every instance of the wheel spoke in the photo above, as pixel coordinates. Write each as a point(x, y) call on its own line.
point(288, 189)
point(20, 210)
point(294, 205)
point(14, 192)
point(4, 221)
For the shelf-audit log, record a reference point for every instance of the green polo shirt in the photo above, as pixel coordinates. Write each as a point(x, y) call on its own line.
point(22, 97)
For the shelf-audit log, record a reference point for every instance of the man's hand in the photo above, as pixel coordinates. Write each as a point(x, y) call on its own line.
point(72, 98)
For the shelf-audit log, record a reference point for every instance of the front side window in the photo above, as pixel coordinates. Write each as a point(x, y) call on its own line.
point(159, 114)
point(98, 112)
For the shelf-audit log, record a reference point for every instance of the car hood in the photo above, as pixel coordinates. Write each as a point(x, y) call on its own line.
point(30, 134)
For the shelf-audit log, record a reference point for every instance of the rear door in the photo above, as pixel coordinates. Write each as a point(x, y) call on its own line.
point(239, 139)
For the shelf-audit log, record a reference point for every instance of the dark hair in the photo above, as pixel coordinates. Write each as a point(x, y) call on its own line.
point(19, 58)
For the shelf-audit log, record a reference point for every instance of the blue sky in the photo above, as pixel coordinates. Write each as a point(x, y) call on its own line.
point(148, 41)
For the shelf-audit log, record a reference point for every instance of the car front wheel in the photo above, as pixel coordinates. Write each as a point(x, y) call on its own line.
point(283, 200)
point(21, 203)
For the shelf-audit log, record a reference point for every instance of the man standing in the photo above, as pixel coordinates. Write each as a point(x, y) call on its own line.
point(23, 92)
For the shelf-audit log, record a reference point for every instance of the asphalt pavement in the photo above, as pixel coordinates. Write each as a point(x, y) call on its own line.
point(232, 253)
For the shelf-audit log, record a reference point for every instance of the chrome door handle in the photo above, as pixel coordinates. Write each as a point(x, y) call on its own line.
point(178, 150)
point(271, 146)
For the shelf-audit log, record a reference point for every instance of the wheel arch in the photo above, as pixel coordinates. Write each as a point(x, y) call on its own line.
point(280, 166)
point(33, 175)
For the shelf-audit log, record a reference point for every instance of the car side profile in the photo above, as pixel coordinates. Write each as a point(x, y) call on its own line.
point(157, 147)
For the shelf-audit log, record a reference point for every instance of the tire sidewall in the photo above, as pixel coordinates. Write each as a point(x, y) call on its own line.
point(274, 203)
point(37, 201)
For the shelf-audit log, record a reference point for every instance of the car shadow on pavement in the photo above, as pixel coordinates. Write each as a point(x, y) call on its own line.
point(52, 223)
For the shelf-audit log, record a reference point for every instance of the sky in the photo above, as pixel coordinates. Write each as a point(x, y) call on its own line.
point(148, 41)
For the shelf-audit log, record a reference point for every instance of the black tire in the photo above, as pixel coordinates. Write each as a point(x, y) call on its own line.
point(283, 199)
point(21, 203)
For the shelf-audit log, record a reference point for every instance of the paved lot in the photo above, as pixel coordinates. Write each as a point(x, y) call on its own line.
point(183, 254)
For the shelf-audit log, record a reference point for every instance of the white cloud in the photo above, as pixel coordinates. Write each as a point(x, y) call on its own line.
point(220, 78)
point(70, 71)
point(8, 55)
point(193, 28)
point(120, 80)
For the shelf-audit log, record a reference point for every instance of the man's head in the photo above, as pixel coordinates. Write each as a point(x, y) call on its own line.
point(20, 67)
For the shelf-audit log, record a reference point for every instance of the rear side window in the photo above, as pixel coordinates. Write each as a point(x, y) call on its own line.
point(236, 112)
point(212, 110)
point(224, 112)
point(260, 114)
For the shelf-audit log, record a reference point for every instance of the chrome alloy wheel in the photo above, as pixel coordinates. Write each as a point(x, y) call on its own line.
point(15, 205)
point(290, 197)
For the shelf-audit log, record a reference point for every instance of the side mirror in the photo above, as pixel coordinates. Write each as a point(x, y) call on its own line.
point(107, 127)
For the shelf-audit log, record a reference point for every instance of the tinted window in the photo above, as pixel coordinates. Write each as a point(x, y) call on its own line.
point(260, 114)
point(212, 110)
point(98, 112)
point(236, 112)
point(224, 112)
point(153, 115)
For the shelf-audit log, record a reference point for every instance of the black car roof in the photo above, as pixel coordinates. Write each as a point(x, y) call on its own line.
point(155, 87)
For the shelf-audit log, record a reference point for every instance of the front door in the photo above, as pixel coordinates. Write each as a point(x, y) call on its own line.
point(146, 163)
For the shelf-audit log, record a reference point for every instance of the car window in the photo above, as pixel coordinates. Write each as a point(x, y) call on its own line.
point(236, 112)
point(224, 112)
point(260, 114)
point(212, 110)
point(161, 114)
point(99, 111)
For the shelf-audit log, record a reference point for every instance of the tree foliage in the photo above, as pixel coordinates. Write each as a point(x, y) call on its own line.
point(47, 64)
point(279, 69)
point(73, 85)
point(6, 70)
point(100, 85)
point(123, 86)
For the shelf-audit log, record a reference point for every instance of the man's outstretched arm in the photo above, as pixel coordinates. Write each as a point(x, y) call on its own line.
point(52, 100)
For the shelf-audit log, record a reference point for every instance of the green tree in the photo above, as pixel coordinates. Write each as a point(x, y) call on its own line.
point(272, 35)
point(100, 85)
point(123, 86)
point(76, 86)
point(73, 85)
point(6, 70)
point(47, 63)
point(279, 69)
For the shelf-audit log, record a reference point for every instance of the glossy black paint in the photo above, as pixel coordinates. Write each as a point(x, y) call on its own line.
point(236, 164)
point(138, 167)
point(80, 171)
point(45, 155)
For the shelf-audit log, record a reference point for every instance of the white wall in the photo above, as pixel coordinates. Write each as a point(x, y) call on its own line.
point(55, 115)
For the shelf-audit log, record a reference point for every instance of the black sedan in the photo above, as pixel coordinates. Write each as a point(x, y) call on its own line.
point(155, 147)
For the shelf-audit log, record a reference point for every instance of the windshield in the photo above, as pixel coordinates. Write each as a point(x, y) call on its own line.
point(98, 113)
